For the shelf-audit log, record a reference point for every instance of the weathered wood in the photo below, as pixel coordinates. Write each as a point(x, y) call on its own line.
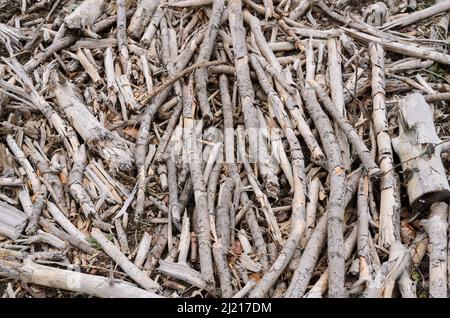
point(337, 182)
point(418, 15)
point(193, 152)
point(135, 273)
point(385, 157)
point(257, 145)
point(93, 285)
point(85, 15)
point(437, 228)
point(201, 78)
point(423, 170)
point(262, 133)
point(12, 221)
point(402, 48)
point(111, 147)
point(141, 17)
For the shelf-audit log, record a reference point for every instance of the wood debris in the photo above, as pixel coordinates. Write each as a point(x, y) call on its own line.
point(234, 148)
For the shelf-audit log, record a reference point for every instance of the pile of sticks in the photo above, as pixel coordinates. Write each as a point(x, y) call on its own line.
point(234, 148)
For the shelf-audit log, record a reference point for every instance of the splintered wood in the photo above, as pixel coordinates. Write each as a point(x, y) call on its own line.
point(212, 148)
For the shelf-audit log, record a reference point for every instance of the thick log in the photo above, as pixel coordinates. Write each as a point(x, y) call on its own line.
point(423, 170)
point(141, 17)
point(84, 15)
point(12, 221)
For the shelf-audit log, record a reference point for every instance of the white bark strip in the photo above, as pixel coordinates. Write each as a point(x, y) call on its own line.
point(182, 272)
point(88, 66)
point(150, 31)
point(65, 223)
point(143, 249)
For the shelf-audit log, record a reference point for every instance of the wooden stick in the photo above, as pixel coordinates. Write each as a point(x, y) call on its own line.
point(357, 143)
point(401, 48)
point(195, 166)
point(385, 159)
point(436, 227)
point(84, 15)
point(201, 78)
point(77, 282)
point(141, 17)
point(417, 16)
point(337, 182)
point(135, 273)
